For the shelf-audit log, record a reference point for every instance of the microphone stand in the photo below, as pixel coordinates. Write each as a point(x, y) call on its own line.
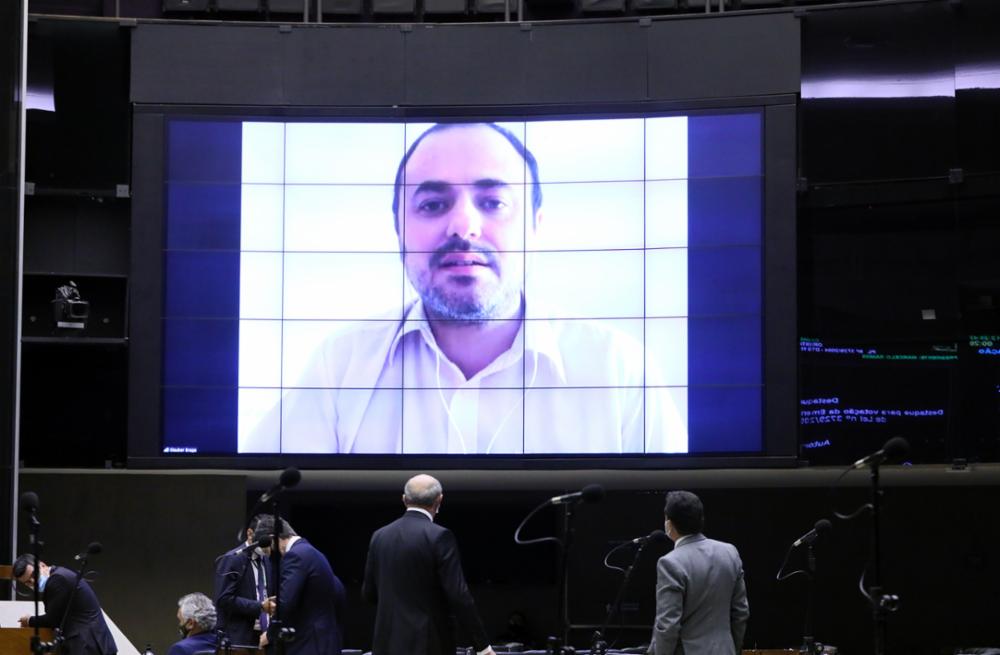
point(34, 526)
point(808, 641)
point(882, 603)
point(562, 613)
point(598, 645)
point(72, 595)
point(555, 645)
point(284, 634)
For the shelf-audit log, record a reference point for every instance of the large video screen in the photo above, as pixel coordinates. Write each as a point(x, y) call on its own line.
point(527, 287)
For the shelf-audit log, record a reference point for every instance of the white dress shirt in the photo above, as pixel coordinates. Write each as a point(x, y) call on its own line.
point(571, 386)
point(422, 511)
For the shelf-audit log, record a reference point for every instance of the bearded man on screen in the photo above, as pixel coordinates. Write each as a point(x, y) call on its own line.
point(464, 371)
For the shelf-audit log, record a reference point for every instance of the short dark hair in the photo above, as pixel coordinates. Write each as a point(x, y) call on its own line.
point(685, 511)
point(529, 159)
point(21, 564)
point(286, 530)
point(262, 526)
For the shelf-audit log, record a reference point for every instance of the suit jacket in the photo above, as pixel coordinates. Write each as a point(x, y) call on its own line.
point(236, 596)
point(701, 600)
point(311, 601)
point(201, 643)
point(414, 574)
point(84, 628)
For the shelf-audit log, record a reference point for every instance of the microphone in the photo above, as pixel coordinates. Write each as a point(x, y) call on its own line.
point(822, 527)
point(93, 548)
point(655, 537)
point(592, 493)
point(29, 502)
point(289, 478)
point(895, 448)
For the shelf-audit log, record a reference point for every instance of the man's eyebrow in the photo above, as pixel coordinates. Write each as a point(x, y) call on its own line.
point(432, 186)
point(489, 183)
point(440, 186)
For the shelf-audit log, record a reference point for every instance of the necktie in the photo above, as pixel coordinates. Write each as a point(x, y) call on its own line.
point(261, 592)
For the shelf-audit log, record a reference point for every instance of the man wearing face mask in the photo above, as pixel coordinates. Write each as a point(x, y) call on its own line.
point(243, 583)
point(701, 598)
point(196, 624)
point(79, 614)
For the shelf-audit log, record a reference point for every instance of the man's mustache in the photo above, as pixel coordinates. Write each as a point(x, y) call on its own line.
point(460, 245)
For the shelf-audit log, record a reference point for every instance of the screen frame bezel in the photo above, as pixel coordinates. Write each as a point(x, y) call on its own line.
point(779, 302)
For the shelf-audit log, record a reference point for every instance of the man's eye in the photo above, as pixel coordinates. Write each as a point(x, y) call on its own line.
point(432, 206)
point(492, 204)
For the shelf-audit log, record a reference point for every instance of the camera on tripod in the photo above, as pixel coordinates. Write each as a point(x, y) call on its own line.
point(69, 310)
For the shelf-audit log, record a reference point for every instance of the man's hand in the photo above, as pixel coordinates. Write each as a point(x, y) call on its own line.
point(268, 605)
point(487, 651)
point(263, 640)
point(24, 621)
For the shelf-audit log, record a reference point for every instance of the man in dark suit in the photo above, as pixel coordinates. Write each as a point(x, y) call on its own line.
point(196, 620)
point(79, 614)
point(311, 599)
point(701, 598)
point(243, 584)
point(414, 575)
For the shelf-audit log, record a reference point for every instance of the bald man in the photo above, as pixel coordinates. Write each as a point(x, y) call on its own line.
point(414, 576)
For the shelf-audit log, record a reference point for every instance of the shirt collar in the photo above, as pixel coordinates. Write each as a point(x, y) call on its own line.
point(541, 341)
point(682, 540)
point(422, 511)
point(689, 538)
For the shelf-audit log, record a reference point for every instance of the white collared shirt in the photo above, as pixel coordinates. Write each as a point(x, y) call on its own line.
point(258, 571)
point(422, 511)
point(571, 386)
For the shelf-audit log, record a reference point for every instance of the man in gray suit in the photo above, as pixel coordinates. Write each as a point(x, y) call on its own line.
point(701, 599)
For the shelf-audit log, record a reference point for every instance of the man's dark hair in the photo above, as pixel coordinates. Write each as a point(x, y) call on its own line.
point(21, 564)
point(685, 511)
point(262, 526)
point(529, 159)
point(287, 530)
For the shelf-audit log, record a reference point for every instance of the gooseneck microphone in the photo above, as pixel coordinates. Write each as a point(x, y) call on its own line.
point(592, 493)
point(93, 548)
point(29, 507)
point(895, 448)
point(29, 502)
point(290, 477)
point(822, 527)
point(654, 537)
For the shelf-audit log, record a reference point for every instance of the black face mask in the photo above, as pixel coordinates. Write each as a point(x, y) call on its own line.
point(184, 631)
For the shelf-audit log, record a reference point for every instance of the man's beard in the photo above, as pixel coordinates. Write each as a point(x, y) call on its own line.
point(469, 308)
point(499, 302)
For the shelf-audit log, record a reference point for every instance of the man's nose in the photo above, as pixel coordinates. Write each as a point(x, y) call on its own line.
point(465, 220)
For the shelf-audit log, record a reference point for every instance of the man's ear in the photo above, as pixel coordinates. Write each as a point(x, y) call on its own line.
point(532, 234)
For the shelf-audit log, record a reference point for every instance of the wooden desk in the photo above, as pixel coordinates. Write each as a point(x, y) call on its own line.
point(18, 640)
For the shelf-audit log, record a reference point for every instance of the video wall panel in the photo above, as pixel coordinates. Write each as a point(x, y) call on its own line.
point(529, 287)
